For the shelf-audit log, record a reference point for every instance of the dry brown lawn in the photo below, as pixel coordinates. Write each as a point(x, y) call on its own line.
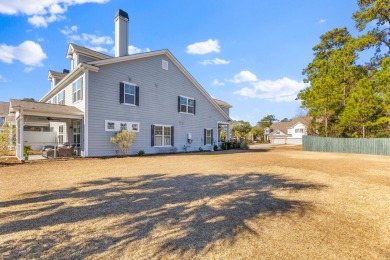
point(261, 204)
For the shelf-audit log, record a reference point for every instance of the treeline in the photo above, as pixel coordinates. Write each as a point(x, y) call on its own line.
point(346, 98)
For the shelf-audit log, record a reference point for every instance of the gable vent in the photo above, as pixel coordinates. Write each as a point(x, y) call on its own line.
point(165, 64)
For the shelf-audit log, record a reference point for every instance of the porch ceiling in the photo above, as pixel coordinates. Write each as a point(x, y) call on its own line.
point(49, 111)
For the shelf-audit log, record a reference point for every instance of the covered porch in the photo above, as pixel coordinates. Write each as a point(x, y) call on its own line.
point(44, 126)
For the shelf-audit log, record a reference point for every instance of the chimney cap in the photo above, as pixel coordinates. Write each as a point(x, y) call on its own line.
point(122, 13)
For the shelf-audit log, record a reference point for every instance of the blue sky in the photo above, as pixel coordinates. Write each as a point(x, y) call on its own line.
point(248, 53)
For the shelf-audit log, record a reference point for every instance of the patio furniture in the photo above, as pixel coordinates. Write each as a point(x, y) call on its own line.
point(61, 151)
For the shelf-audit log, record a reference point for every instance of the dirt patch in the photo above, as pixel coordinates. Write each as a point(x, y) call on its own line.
point(270, 203)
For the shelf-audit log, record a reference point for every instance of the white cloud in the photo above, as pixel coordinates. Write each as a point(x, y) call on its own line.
point(322, 21)
point(28, 69)
point(91, 39)
point(134, 50)
point(217, 83)
point(281, 90)
point(3, 80)
point(69, 30)
point(215, 61)
point(98, 49)
point(243, 76)
point(204, 47)
point(28, 52)
point(41, 13)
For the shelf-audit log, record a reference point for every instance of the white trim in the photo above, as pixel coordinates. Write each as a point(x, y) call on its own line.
point(162, 136)
point(86, 123)
point(187, 105)
point(124, 93)
point(117, 125)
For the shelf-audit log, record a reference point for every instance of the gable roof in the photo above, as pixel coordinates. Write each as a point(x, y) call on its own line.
point(56, 75)
point(222, 103)
point(74, 48)
point(284, 126)
point(175, 61)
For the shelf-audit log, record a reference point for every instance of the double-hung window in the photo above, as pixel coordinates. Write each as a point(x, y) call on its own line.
point(61, 98)
point(186, 105)
point(208, 136)
point(54, 100)
point(78, 90)
point(129, 94)
point(162, 135)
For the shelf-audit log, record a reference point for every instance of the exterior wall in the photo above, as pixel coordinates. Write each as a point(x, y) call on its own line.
point(158, 104)
point(298, 126)
point(286, 140)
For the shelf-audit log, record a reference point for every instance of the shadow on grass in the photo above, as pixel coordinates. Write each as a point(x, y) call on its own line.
point(202, 209)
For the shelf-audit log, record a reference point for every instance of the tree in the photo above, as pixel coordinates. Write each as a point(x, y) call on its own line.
point(267, 121)
point(377, 11)
point(285, 120)
point(123, 140)
point(364, 109)
point(241, 129)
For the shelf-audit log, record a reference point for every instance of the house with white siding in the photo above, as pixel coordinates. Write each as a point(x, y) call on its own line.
point(289, 132)
point(149, 93)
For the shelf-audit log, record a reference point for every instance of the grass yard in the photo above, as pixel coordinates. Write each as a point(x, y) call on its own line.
point(272, 204)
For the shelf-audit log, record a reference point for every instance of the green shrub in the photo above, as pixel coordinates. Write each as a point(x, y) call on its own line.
point(141, 153)
point(223, 146)
point(27, 149)
point(228, 145)
point(215, 147)
point(123, 140)
point(201, 149)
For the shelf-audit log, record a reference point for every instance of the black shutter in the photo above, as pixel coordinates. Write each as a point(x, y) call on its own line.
point(136, 95)
point(152, 143)
point(178, 104)
point(121, 92)
point(212, 137)
point(172, 136)
point(194, 106)
point(204, 136)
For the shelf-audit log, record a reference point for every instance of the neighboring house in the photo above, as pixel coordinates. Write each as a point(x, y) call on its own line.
point(150, 93)
point(289, 132)
point(4, 110)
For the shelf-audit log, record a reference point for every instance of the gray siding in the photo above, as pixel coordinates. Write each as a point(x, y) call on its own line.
point(159, 90)
point(84, 59)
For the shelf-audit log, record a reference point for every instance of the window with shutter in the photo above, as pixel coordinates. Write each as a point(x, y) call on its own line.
point(128, 94)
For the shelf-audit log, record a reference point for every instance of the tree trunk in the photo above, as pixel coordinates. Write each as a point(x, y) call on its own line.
point(364, 131)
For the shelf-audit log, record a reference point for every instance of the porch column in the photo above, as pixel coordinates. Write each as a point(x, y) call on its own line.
point(19, 135)
point(228, 133)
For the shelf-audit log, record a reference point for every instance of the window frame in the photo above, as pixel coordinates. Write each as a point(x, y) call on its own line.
point(117, 126)
point(123, 93)
point(163, 136)
point(209, 130)
point(187, 105)
point(77, 95)
point(61, 134)
point(61, 94)
point(54, 99)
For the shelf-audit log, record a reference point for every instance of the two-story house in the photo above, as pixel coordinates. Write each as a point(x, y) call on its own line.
point(150, 93)
point(289, 132)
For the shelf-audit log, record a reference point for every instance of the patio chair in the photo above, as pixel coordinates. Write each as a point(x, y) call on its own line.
point(48, 152)
point(65, 151)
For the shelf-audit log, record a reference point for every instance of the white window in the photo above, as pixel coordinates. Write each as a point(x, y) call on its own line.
point(129, 94)
point(61, 134)
point(278, 132)
point(78, 90)
point(162, 135)
point(123, 126)
point(187, 105)
point(299, 131)
point(2, 120)
point(54, 100)
point(110, 125)
point(61, 97)
point(135, 127)
point(116, 126)
point(208, 136)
